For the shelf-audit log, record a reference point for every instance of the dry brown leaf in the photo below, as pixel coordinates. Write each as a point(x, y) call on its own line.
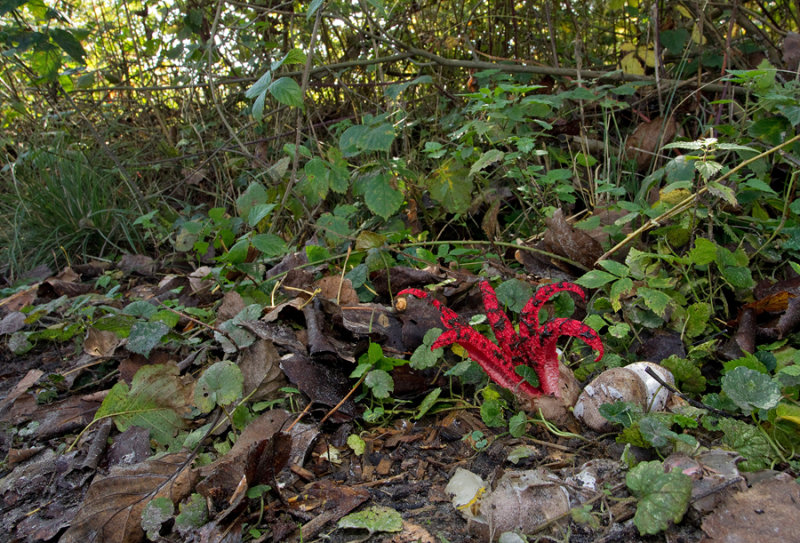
point(261, 368)
point(562, 239)
point(647, 139)
point(333, 287)
point(112, 509)
point(791, 51)
point(101, 342)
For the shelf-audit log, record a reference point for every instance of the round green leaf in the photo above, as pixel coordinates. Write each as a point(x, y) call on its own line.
point(221, 384)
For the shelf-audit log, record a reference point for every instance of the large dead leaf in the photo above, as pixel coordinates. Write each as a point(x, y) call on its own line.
point(767, 513)
point(791, 51)
point(261, 368)
point(156, 400)
point(112, 509)
point(648, 138)
point(563, 239)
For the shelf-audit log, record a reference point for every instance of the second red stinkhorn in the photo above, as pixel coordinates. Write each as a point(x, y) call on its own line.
point(534, 345)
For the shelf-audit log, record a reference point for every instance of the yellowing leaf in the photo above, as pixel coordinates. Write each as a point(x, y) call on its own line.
point(697, 37)
point(631, 65)
point(627, 47)
point(683, 11)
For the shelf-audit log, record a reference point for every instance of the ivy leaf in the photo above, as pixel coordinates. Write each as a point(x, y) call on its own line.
point(380, 383)
point(750, 389)
point(156, 400)
point(146, 335)
point(287, 91)
point(221, 384)
point(663, 497)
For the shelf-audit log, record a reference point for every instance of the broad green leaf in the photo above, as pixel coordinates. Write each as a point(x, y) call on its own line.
point(379, 138)
point(335, 229)
point(703, 253)
point(518, 424)
point(595, 279)
point(156, 400)
point(270, 245)
point(707, 168)
point(527, 373)
point(140, 308)
point(738, 277)
point(221, 384)
point(317, 177)
point(424, 358)
point(750, 389)
point(492, 413)
point(313, 7)
point(370, 240)
point(514, 294)
point(697, 317)
point(617, 268)
point(381, 198)
point(295, 56)
point(67, 41)
point(721, 191)
point(373, 519)
point(687, 374)
point(451, 186)
point(145, 336)
point(663, 497)
point(618, 289)
point(254, 195)
point(788, 412)
point(655, 300)
point(287, 91)
point(380, 383)
point(349, 141)
point(748, 441)
point(487, 158)
point(259, 212)
point(260, 86)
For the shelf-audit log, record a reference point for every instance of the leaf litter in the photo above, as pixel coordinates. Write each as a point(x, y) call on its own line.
point(202, 443)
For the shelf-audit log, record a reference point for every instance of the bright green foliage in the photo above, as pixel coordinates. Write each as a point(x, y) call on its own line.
point(220, 385)
point(663, 497)
point(423, 357)
point(374, 519)
point(156, 400)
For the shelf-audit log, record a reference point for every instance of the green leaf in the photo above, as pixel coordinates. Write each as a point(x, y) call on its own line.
point(255, 194)
point(518, 424)
point(618, 289)
point(145, 336)
point(663, 497)
point(313, 7)
point(373, 519)
point(514, 294)
point(140, 308)
point(156, 401)
point(349, 141)
point(67, 41)
point(259, 212)
point(270, 245)
point(450, 185)
point(738, 277)
point(380, 383)
point(707, 168)
point(617, 268)
point(287, 91)
point(221, 384)
point(750, 389)
point(492, 413)
point(295, 56)
point(595, 279)
point(487, 158)
point(428, 402)
point(527, 373)
point(317, 177)
point(155, 514)
point(703, 253)
point(687, 374)
point(194, 514)
point(697, 317)
point(379, 138)
point(721, 191)
point(381, 198)
point(748, 441)
point(260, 86)
point(655, 300)
point(424, 358)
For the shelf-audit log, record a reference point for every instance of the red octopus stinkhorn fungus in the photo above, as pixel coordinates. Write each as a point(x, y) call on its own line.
point(534, 345)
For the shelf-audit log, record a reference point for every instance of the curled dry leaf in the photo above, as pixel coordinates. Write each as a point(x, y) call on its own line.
point(648, 138)
point(112, 509)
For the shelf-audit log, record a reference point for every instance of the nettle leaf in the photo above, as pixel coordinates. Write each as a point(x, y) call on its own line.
point(738, 277)
point(707, 168)
point(748, 441)
point(514, 294)
point(617, 268)
point(381, 198)
point(721, 191)
point(156, 400)
point(380, 383)
point(655, 300)
point(221, 384)
point(145, 336)
point(287, 91)
point(259, 212)
point(750, 389)
point(697, 317)
point(486, 159)
point(703, 253)
point(595, 279)
point(269, 244)
point(663, 497)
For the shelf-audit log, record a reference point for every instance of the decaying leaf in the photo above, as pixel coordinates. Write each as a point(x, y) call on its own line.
point(563, 239)
point(112, 509)
point(648, 138)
